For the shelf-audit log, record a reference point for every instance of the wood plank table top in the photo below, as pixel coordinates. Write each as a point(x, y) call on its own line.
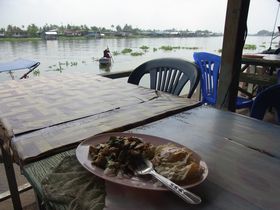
point(242, 154)
point(261, 60)
point(50, 113)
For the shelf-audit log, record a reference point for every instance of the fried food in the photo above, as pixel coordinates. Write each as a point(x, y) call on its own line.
point(117, 156)
point(176, 163)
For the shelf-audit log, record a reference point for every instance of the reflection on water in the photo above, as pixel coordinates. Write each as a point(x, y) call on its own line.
point(85, 53)
point(105, 67)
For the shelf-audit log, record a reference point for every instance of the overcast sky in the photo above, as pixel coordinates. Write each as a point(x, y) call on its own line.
point(144, 14)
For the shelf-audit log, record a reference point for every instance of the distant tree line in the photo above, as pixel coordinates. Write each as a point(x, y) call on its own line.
point(33, 30)
point(264, 33)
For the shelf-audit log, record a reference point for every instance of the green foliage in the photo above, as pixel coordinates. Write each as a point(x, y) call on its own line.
point(20, 39)
point(71, 37)
point(144, 47)
point(126, 50)
point(59, 69)
point(166, 48)
point(36, 72)
point(60, 65)
point(250, 47)
point(154, 49)
point(136, 53)
point(190, 48)
point(115, 53)
point(32, 30)
point(262, 46)
point(170, 48)
point(73, 63)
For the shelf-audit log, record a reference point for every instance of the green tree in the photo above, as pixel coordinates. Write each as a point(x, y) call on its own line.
point(94, 28)
point(118, 28)
point(127, 28)
point(86, 28)
point(32, 30)
point(46, 27)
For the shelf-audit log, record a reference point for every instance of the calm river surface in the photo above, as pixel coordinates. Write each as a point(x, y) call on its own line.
point(81, 55)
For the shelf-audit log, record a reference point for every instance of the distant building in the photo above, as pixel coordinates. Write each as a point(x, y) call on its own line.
point(2, 34)
point(94, 34)
point(50, 35)
point(73, 33)
point(123, 33)
point(21, 34)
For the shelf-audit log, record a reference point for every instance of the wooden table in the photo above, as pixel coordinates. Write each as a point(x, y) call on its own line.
point(270, 60)
point(248, 75)
point(45, 115)
point(242, 154)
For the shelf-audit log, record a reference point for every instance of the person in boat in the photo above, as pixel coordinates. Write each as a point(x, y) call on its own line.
point(106, 53)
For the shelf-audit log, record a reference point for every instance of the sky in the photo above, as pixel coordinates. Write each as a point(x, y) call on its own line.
point(144, 14)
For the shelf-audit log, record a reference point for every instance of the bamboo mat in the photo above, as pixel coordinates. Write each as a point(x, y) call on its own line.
point(63, 111)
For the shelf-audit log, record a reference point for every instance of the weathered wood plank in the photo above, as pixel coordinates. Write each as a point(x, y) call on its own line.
point(240, 176)
point(261, 80)
point(58, 138)
point(260, 62)
point(243, 155)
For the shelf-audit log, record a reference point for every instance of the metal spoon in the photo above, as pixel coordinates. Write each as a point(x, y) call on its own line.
point(144, 166)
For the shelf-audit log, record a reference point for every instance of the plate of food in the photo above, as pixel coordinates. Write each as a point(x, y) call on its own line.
point(110, 156)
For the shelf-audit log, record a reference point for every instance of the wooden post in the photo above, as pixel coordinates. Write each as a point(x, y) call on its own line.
point(234, 40)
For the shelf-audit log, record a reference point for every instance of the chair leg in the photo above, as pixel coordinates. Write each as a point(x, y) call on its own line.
point(40, 204)
point(10, 174)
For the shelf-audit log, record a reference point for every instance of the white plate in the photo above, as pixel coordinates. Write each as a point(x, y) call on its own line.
point(82, 153)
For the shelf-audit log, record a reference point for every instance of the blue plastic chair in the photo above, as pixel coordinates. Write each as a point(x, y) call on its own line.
point(268, 98)
point(209, 65)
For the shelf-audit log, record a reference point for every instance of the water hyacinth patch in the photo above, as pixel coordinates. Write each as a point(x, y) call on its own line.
point(144, 47)
point(116, 53)
point(249, 47)
point(126, 50)
point(136, 53)
point(166, 48)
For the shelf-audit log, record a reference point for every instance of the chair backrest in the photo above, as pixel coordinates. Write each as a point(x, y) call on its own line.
point(209, 65)
point(168, 75)
point(270, 97)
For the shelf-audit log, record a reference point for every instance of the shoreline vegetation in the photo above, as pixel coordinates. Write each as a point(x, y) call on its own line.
point(61, 38)
point(34, 39)
point(66, 32)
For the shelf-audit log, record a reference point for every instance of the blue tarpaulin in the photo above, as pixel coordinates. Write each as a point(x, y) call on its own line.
point(18, 64)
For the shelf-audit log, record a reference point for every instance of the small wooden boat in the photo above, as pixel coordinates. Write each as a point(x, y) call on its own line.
point(105, 60)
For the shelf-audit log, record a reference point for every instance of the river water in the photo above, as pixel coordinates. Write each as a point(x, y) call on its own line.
point(60, 56)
